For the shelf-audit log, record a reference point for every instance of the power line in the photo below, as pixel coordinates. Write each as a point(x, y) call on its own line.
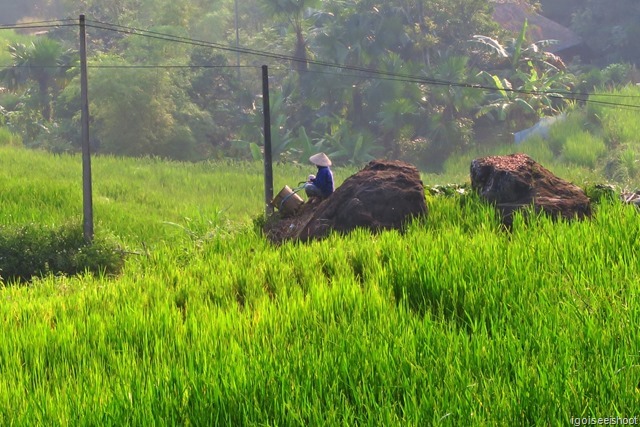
point(391, 76)
point(552, 94)
point(40, 24)
point(555, 95)
point(385, 75)
point(201, 43)
point(130, 66)
point(192, 42)
point(372, 73)
point(172, 66)
point(50, 21)
point(38, 66)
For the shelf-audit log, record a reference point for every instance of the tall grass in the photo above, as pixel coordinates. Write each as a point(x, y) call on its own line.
point(584, 149)
point(9, 138)
point(453, 322)
point(619, 125)
point(578, 169)
point(139, 200)
point(575, 123)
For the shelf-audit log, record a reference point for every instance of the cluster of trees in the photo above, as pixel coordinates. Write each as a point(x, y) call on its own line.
point(609, 28)
point(186, 99)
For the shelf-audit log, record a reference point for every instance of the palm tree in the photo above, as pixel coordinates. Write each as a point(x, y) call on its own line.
point(43, 61)
point(294, 12)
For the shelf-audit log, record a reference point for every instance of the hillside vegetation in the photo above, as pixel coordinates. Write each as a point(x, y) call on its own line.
point(359, 79)
point(454, 322)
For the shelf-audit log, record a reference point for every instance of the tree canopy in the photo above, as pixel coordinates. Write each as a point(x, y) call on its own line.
point(354, 78)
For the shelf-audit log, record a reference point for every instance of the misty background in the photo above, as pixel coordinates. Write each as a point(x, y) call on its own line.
point(417, 80)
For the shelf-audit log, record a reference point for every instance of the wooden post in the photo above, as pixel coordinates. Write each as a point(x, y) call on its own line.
point(268, 167)
point(87, 199)
point(237, 39)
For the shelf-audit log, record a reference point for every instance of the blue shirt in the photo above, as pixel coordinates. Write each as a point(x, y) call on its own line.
point(324, 181)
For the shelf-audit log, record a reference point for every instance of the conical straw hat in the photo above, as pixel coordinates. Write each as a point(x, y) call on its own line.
point(320, 159)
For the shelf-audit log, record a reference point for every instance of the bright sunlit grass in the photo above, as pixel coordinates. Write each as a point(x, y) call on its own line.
point(454, 322)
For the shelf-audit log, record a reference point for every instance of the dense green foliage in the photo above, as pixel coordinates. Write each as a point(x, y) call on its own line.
point(160, 94)
point(590, 145)
point(454, 322)
point(609, 29)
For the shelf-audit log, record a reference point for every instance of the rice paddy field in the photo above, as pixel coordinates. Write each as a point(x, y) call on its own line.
point(454, 322)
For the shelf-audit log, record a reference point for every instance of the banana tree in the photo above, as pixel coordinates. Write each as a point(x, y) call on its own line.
point(504, 101)
point(304, 146)
point(345, 145)
point(528, 82)
point(534, 95)
point(516, 54)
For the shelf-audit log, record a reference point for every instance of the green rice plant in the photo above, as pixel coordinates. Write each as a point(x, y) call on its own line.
point(8, 138)
point(538, 149)
point(584, 149)
point(561, 131)
point(619, 125)
point(147, 199)
point(483, 325)
point(628, 160)
point(456, 168)
point(452, 321)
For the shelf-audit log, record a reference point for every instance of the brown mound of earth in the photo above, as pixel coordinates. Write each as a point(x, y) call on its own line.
point(511, 182)
point(383, 195)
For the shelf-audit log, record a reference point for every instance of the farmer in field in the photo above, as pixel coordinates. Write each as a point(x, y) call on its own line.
point(320, 185)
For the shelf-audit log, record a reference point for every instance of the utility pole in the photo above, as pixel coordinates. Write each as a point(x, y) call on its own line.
point(268, 167)
point(237, 40)
point(87, 199)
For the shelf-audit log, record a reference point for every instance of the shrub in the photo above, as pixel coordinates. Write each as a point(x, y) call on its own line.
point(416, 151)
point(34, 250)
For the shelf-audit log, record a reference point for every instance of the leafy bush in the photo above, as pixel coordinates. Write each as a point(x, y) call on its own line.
point(598, 193)
point(584, 149)
point(616, 74)
point(34, 250)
